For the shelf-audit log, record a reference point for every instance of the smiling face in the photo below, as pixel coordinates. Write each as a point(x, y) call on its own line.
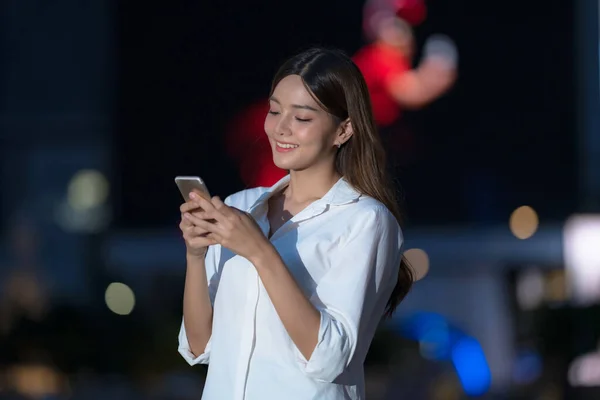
point(302, 134)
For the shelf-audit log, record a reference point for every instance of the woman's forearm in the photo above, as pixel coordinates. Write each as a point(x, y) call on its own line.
point(197, 309)
point(299, 317)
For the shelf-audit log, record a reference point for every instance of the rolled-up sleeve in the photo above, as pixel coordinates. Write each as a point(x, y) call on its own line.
point(186, 352)
point(211, 263)
point(359, 282)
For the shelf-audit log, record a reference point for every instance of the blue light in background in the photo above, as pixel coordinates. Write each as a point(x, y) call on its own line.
point(528, 367)
point(471, 366)
point(421, 324)
point(435, 343)
point(439, 340)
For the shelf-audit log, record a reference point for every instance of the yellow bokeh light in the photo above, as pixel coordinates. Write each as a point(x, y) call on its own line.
point(87, 189)
point(523, 222)
point(419, 261)
point(35, 380)
point(119, 298)
point(556, 286)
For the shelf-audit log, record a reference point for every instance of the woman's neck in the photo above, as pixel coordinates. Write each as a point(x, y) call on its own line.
point(307, 186)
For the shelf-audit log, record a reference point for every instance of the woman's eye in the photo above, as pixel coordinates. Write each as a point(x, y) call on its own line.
point(303, 119)
point(273, 112)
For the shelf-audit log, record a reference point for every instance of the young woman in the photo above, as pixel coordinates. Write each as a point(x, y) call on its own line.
point(285, 286)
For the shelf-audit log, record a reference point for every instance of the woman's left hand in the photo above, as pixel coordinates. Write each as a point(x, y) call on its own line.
point(229, 227)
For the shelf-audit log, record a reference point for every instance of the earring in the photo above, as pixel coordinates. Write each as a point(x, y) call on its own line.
point(339, 145)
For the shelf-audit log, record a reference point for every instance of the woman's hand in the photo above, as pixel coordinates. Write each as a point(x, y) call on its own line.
point(229, 227)
point(196, 238)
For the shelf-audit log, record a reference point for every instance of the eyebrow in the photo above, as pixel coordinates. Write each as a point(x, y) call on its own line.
point(299, 106)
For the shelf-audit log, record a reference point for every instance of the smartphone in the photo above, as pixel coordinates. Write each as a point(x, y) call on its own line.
point(188, 184)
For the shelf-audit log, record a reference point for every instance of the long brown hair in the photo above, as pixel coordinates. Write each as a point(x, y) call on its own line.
point(337, 83)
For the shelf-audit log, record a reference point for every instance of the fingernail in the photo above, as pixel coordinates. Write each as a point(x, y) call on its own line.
point(193, 195)
point(187, 215)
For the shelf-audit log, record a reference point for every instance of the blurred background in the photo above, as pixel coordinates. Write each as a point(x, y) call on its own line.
point(103, 103)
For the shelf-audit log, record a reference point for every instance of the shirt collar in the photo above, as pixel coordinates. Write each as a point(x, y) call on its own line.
point(340, 193)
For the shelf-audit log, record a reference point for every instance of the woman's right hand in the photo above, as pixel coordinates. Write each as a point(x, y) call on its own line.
point(196, 239)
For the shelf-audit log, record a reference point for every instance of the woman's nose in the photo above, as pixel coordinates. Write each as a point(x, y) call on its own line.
point(283, 126)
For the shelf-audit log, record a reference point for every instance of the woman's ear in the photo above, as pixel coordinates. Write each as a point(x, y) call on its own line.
point(345, 132)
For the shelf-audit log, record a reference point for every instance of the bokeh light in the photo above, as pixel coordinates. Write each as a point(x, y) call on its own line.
point(120, 299)
point(581, 237)
point(439, 340)
point(585, 371)
point(87, 189)
point(524, 222)
point(528, 367)
point(555, 288)
point(419, 261)
point(530, 289)
point(471, 366)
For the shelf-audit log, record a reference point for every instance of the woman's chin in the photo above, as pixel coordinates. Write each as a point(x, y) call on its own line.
point(282, 162)
point(282, 165)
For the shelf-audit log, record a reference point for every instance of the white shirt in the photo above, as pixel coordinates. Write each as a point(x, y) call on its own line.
point(344, 252)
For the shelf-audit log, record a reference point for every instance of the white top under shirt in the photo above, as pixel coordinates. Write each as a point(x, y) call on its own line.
point(344, 251)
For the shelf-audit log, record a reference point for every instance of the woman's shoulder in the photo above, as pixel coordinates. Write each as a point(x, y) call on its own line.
point(368, 221)
point(367, 205)
point(246, 198)
point(368, 211)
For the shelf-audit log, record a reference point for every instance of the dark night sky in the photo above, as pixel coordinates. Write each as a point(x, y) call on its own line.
point(504, 137)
